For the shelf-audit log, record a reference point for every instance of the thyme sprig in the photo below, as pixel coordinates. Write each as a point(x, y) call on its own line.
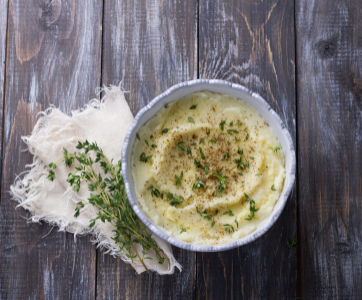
point(108, 194)
point(174, 199)
point(198, 184)
point(178, 179)
point(253, 210)
point(203, 214)
point(229, 212)
point(143, 158)
point(154, 192)
point(222, 183)
point(229, 228)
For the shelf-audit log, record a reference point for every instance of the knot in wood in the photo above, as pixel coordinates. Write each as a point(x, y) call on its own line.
point(327, 49)
point(49, 12)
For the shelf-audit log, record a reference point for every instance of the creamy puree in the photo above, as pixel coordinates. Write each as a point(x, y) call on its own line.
point(185, 139)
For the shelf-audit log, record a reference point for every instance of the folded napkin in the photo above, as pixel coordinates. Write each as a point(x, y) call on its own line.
point(104, 122)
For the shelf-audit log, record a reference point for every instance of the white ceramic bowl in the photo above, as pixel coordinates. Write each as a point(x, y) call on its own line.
point(218, 86)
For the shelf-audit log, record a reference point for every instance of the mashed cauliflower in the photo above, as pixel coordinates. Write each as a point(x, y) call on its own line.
point(207, 168)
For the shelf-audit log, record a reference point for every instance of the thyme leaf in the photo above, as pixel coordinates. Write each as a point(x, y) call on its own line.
point(180, 146)
point(221, 125)
point(178, 179)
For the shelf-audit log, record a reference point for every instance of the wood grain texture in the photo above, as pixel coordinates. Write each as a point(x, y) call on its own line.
point(3, 26)
point(329, 67)
point(252, 43)
point(53, 56)
point(149, 46)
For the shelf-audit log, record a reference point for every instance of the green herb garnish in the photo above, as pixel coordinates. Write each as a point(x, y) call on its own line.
point(201, 141)
point(145, 158)
point(241, 174)
point(258, 174)
point(138, 136)
point(273, 188)
point(212, 141)
point(253, 210)
point(147, 143)
point(239, 163)
point(201, 153)
point(154, 192)
point(193, 106)
point(191, 120)
point(229, 212)
point(221, 125)
point(166, 106)
point(178, 179)
point(206, 169)
point(247, 137)
point(231, 131)
point(174, 199)
point(204, 214)
point(180, 146)
point(183, 229)
point(189, 151)
point(197, 164)
point(251, 157)
point(198, 184)
point(239, 123)
point(154, 146)
point(231, 123)
point(165, 130)
point(225, 156)
point(229, 228)
point(222, 183)
point(212, 223)
point(276, 149)
point(237, 140)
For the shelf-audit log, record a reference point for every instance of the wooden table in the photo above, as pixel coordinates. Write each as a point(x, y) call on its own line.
point(304, 57)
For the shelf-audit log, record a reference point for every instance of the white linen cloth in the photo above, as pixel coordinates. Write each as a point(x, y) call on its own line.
point(104, 122)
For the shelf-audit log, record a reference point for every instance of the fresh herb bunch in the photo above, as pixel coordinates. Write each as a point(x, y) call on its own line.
point(108, 194)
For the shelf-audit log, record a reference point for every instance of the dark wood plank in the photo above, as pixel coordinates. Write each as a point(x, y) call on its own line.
point(53, 56)
point(329, 67)
point(149, 46)
point(3, 26)
point(252, 43)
